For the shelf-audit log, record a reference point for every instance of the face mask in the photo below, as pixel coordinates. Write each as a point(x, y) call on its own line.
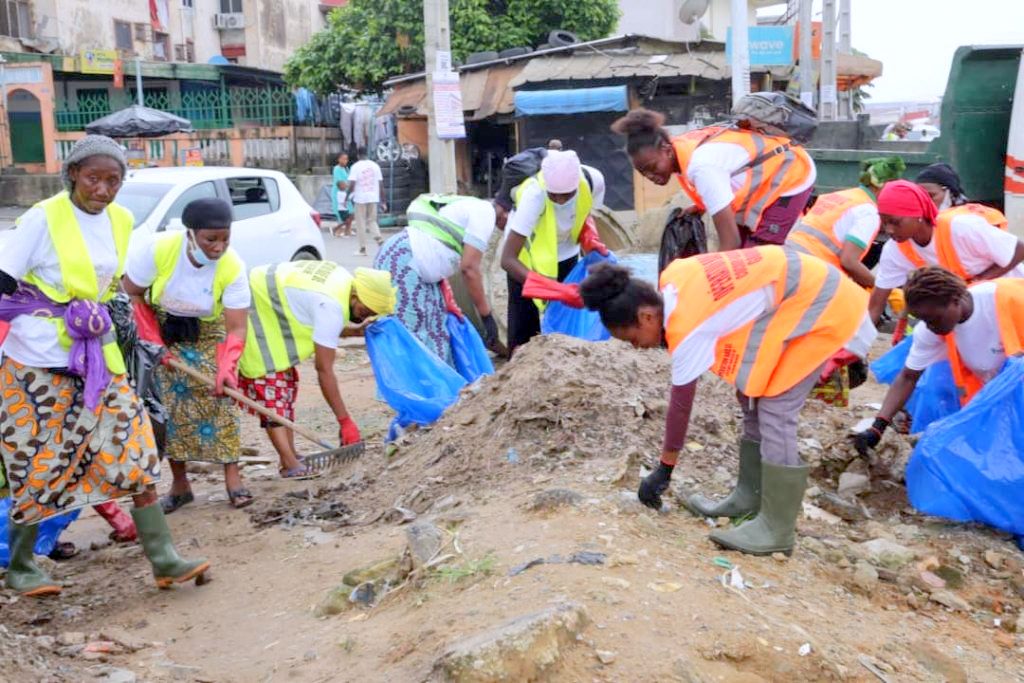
point(946, 202)
point(197, 254)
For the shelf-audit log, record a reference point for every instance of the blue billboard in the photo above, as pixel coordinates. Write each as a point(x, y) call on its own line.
point(769, 45)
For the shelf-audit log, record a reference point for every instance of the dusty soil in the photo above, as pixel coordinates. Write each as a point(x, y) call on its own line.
point(563, 415)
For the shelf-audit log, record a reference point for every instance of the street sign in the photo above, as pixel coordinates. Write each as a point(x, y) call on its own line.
point(769, 45)
point(98, 61)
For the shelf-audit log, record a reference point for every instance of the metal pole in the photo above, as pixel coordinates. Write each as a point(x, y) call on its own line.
point(138, 80)
point(827, 101)
point(806, 65)
point(441, 153)
point(740, 61)
point(845, 47)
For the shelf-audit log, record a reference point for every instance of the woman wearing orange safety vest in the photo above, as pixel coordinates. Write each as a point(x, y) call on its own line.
point(766, 320)
point(975, 328)
point(961, 239)
point(755, 186)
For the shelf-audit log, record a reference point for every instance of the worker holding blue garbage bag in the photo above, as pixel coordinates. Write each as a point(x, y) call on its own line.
point(549, 227)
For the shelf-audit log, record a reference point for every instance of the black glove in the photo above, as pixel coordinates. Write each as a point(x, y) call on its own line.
point(654, 484)
point(8, 285)
point(866, 441)
point(490, 330)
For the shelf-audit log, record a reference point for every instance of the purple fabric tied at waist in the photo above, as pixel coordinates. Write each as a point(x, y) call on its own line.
point(87, 322)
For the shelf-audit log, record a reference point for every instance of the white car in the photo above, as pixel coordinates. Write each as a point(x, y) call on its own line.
point(272, 221)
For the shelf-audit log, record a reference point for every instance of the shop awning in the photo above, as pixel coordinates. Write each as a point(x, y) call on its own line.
point(574, 101)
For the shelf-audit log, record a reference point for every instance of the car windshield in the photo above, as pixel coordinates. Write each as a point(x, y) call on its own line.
point(141, 198)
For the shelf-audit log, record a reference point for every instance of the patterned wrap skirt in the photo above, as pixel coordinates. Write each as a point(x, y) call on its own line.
point(276, 391)
point(59, 456)
point(420, 306)
point(200, 427)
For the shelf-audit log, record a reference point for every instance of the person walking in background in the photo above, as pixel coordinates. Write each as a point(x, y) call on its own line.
point(198, 285)
point(366, 185)
point(341, 200)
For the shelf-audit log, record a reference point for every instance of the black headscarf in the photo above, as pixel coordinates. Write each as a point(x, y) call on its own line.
point(207, 213)
point(944, 175)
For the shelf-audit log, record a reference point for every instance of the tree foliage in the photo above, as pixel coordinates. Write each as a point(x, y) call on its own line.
point(368, 41)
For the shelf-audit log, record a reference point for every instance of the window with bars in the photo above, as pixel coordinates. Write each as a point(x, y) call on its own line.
point(16, 18)
point(161, 46)
point(123, 36)
point(230, 6)
point(141, 32)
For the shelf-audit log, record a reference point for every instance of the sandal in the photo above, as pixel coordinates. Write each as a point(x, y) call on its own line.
point(173, 501)
point(299, 473)
point(240, 498)
point(64, 550)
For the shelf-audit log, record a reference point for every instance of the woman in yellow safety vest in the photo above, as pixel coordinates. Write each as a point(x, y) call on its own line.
point(764, 319)
point(198, 285)
point(74, 431)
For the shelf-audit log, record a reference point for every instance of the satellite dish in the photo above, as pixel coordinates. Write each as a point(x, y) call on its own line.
point(692, 10)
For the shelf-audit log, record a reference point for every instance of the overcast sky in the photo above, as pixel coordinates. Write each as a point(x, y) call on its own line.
point(915, 39)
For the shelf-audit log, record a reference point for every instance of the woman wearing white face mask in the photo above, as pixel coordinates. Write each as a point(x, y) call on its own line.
point(942, 184)
point(199, 288)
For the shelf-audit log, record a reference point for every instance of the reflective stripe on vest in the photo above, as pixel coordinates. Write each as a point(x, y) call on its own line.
point(815, 312)
point(540, 252)
point(424, 214)
point(942, 235)
point(276, 340)
point(764, 183)
point(78, 276)
point(814, 233)
point(1010, 320)
point(167, 254)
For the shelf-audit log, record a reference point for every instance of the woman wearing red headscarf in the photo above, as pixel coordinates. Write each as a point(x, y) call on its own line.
point(958, 239)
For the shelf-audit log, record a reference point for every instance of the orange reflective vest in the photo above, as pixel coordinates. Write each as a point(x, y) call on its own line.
point(942, 234)
point(764, 182)
point(815, 312)
point(815, 234)
point(1010, 317)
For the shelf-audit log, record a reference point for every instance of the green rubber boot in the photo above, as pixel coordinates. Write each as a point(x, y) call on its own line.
point(745, 498)
point(774, 528)
point(168, 567)
point(23, 574)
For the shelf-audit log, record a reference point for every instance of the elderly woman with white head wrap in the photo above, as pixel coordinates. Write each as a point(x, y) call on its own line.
point(74, 431)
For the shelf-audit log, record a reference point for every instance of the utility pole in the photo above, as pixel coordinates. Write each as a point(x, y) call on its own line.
point(845, 47)
point(138, 80)
point(740, 61)
point(827, 101)
point(806, 64)
point(437, 39)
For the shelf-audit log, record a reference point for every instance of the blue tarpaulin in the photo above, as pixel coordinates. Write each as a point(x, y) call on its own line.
point(576, 101)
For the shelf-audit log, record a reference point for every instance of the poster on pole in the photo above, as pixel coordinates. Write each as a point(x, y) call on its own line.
point(448, 118)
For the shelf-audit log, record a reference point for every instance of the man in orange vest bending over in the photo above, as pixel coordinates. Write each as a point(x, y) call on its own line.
point(766, 320)
point(961, 239)
point(975, 328)
point(755, 186)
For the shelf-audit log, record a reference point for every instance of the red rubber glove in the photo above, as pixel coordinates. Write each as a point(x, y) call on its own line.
point(5, 327)
point(228, 353)
point(590, 240)
point(842, 358)
point(148, 328)
point(539, 287)
point(124, 528)
point(349, 432)
point(449, 300)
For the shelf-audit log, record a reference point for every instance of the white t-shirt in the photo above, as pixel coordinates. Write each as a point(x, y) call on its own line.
point(695, 355)
point(319, 311)
point(432, 259)
point(189, 292)
point(977, 339)
point(858, 224)
point(711, 171)
point(531, 206)
point(367, 176)
point(978, 244)
point(32, 340)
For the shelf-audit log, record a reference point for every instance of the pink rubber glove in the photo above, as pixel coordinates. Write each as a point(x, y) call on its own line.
point(539, 287)
point(228, 353)
point(590, 240)
point(349, 432)
point(124, 528)
point(148, 328)
point(842, 358)
point(449, 300)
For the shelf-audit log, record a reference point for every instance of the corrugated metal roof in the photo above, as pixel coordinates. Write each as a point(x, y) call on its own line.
point(484, 93)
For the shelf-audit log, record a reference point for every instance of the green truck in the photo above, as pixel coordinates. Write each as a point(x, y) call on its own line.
point(982, 134)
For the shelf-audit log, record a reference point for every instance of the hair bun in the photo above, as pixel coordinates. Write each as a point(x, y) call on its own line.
point(639, 122)
point(604, 282)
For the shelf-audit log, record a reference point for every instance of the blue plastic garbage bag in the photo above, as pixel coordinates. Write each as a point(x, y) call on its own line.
point(935, 395)
point(577, 322)
point(970, 465)
point(468, 350)
point(49, 531)
point(417, 384)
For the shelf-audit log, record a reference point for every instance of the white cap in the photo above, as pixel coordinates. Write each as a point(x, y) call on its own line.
point(561, 171)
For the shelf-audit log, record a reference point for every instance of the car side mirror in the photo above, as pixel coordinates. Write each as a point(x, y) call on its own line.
point(174, 224)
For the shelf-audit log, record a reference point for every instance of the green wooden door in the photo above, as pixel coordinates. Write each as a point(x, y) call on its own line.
point(27, 137)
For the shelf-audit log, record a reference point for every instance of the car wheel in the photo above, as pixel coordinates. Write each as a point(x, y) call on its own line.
point(306, 254)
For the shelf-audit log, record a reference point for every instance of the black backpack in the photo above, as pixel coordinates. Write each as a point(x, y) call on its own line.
point(520, 167)
point(684, 236)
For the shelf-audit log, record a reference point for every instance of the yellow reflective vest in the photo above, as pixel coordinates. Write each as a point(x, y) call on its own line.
point(166, 254)
point(540, 252)
point(276, 340)
point(77, 272)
